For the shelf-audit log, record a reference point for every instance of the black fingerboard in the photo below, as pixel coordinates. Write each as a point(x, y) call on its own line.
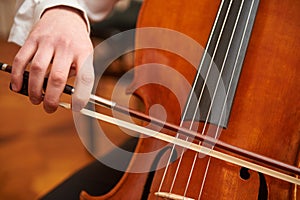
point(211, 97)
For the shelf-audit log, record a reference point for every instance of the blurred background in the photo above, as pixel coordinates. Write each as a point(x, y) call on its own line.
point(39, 150)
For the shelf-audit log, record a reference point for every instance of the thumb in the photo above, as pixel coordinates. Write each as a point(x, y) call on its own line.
point(84, 83)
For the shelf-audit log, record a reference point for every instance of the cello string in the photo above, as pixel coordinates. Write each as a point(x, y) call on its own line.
point(218, 82)
point(187, 145)
point(256, 158)
point(231, 79)
point(173, 128)
point(198, 103)
point(235, 64)
point(210, 108)
point(191, 94)
point(200, 97)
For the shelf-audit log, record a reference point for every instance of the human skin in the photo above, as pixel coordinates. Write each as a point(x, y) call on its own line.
point(59, 38)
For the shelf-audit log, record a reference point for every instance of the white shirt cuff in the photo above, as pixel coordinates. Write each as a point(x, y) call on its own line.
point(42, 5)
point(31, 11)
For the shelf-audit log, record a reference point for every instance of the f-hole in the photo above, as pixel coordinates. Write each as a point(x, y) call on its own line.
point(154, 166)
point(263, 189)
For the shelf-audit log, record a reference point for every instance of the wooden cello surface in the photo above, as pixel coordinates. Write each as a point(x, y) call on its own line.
point(265, 116)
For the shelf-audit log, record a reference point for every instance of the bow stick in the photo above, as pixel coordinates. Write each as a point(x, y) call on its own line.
point(255, 158)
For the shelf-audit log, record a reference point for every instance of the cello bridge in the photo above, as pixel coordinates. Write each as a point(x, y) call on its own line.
point(171, 196)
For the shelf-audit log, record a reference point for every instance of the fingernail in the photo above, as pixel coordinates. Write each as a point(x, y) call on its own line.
point(50, 110)
point(14, 87)
point(35, 101)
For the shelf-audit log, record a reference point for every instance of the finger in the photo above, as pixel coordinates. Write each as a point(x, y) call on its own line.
point(20, 61)
point(72, 71)
point(84, 83)
point(57, 80)
point(38, 68)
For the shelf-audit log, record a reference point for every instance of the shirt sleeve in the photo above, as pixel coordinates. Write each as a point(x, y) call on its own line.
point(98, 9)
point(30, 11)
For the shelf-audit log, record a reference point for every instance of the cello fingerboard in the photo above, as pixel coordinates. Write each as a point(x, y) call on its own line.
point(214, 86)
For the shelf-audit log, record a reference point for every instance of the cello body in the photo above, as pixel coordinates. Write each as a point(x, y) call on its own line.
point(265, 115)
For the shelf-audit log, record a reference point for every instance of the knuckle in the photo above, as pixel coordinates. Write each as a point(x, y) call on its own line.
point(36, 66)
point(18, 60)
point(58, 78)
point(87, 78)
point(38, 36)
point(63, 42)
point(35, 37)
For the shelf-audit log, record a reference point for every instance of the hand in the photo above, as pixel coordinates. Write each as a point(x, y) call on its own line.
point(60, 36)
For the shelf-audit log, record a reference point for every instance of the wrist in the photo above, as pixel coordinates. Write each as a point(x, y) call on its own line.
point(69, 10)
point(69, 5)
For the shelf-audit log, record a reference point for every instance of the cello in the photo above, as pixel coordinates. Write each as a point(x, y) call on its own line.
point(263, 115)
